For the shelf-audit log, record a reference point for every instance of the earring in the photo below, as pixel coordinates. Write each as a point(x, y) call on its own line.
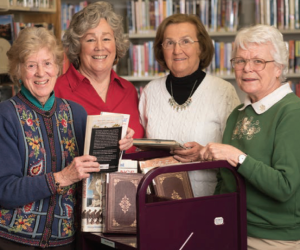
point(116, 60)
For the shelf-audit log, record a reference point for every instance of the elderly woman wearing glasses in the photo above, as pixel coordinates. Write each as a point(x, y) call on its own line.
point(41, 143)
point(188, 105)
point(261, 140)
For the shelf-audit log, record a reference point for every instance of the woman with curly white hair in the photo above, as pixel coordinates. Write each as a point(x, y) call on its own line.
point(93, 43)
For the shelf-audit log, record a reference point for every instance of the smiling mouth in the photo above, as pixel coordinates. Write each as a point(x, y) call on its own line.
point(41, 83)
point(179, 59)
point(99, 57)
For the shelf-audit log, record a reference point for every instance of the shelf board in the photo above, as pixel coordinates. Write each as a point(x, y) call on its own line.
point(150, 78)
point(225, 77)
point(31, 9)
point(152, 34)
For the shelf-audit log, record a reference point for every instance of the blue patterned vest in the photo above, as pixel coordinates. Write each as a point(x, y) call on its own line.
point(49, 221)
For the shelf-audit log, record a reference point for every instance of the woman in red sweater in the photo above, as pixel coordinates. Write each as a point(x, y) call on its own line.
point(94, 42)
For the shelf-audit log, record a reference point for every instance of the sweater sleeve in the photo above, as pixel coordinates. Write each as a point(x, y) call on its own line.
point(280, 180)
point(15, 189)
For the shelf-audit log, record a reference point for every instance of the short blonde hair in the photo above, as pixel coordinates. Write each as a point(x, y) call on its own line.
point(89, 18)
point(31, 40)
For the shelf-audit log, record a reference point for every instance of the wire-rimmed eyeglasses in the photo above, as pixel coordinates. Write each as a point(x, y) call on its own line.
point(257, 64)
point(183, 43)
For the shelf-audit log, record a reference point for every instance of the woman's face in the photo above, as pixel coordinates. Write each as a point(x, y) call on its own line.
point(258, 84)
point(182, 61)
point(98, 50)
point(39, 73)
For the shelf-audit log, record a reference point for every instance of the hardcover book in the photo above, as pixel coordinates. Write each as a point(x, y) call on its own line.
point(93, 203)
point(173, 186)
point(120, 211)
point(151, 144)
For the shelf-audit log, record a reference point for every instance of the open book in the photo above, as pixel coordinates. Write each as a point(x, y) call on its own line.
point(154, 144)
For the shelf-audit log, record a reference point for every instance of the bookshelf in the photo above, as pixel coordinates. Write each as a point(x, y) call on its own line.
point(34, 13)
point(56, 16)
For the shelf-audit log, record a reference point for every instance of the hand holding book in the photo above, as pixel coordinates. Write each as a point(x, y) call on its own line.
point(157, 144)
point(191, 154)
point(127, 141)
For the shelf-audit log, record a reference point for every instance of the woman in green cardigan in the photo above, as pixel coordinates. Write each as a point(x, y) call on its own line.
point(262, 139)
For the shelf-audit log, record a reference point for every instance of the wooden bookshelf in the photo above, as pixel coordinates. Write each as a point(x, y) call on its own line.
point(34, 14)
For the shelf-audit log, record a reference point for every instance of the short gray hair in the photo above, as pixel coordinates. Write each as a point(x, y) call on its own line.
point(264, 34)
point(89, 18)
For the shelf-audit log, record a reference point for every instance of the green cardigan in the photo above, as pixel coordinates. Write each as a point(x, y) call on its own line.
point(271, 170)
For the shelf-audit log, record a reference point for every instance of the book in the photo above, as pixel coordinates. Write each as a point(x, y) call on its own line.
point(125, 123)
point(93, 203)
point(291, 56)
point(102, 136)
point(128, 166)
point(173, 186)
point(157, 144)
point(147, 165)
point(120, 210)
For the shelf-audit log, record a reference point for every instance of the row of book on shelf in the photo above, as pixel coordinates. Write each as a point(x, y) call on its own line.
point(10, 30)
point(144, 16)
point(35, 4)
point(141, 60)
point(283, 14)
point(68, 10)
point(216, 15)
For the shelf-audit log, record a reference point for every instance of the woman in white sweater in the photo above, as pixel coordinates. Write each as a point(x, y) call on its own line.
point(188, 105)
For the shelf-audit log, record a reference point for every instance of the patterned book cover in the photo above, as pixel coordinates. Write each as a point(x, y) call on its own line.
point(120, 211)
point(173, 186)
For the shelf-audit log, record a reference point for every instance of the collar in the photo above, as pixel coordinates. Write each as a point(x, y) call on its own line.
point(76, 78)
point(268, 101)
point(48, 105)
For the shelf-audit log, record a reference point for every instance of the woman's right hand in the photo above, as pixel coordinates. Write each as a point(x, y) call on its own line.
point(80, 168)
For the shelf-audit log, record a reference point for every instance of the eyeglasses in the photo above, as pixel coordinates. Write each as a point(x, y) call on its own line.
point(183, 43)
point(256, 64)
point(33, 66)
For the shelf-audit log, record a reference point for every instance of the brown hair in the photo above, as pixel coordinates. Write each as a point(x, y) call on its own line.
point(205, 42)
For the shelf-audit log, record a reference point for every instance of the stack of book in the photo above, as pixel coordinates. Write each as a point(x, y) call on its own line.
point(109, 199)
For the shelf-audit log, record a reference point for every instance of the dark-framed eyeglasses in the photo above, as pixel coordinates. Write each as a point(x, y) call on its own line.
point(183, 43)
point(257, 64)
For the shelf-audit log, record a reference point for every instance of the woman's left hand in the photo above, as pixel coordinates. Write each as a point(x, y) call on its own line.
point(188, 155)
point(127, 142)
point(219, 151)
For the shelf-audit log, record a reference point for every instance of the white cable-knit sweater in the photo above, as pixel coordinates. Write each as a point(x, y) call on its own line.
point(203, 121)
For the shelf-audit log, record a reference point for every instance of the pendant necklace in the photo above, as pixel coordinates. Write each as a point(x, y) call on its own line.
point(183, 106)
